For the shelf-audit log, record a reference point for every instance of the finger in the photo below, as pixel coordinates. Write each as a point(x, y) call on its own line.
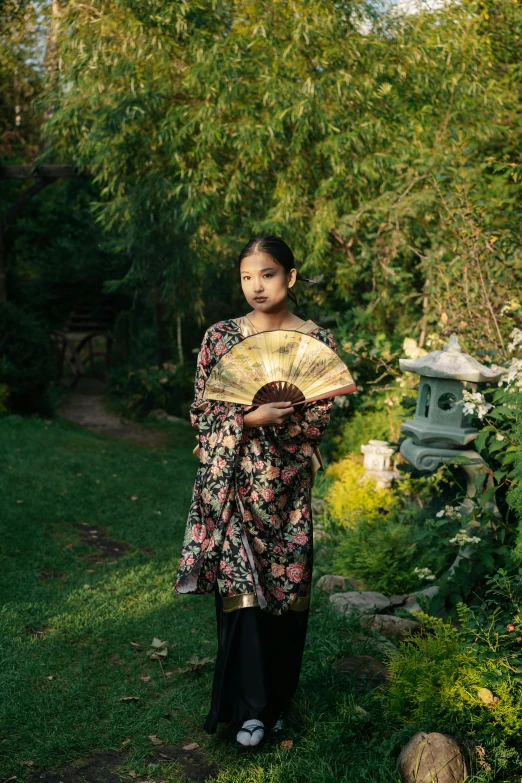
point(283, 404)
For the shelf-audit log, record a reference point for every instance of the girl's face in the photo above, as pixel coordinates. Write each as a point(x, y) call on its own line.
point(265, 283)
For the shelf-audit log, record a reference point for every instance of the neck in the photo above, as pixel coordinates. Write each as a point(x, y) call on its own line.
point(282, 319)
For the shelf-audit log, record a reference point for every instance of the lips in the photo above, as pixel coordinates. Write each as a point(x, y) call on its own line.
point(260, 298)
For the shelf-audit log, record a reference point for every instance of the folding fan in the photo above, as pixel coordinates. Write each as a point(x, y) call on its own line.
point(277, 366)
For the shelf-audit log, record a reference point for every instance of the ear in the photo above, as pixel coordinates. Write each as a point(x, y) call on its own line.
point(292, 277)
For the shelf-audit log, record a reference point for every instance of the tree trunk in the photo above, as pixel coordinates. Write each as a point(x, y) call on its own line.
point(162, 329)
point(178, 339)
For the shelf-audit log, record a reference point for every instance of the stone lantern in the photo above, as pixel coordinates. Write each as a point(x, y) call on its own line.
point(441, 432)
point(440, 429)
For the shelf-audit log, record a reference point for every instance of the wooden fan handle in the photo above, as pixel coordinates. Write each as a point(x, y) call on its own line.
point(278, 391)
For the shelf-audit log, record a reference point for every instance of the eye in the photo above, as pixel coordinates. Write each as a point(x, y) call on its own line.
point(268, 274)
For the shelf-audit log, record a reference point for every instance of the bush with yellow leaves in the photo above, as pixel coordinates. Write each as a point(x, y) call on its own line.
point(437, 678)
point(351, 497)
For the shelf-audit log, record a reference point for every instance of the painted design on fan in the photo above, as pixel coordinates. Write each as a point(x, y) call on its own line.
point(289, 365)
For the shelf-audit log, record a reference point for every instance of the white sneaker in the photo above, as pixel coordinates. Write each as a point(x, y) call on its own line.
point(251, 732)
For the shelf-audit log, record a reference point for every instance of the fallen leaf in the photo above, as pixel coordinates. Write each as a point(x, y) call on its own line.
point(28, 763)
point(145, 679)
point(130, 698)
point(193, 630)
point(158, 649)
point(190, 746)
point(286, 744)
point(50, 676)
point(133, 774)
point(158, 643)
point(126, 741)
point(135, 644)
point(486, 697)
point(134, 497)
point(169, 674)
point(155, 740)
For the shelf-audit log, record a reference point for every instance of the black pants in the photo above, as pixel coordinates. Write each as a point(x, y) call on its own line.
point(257, 666)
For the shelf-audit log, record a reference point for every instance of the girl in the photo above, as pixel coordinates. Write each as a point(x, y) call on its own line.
point(249, 531)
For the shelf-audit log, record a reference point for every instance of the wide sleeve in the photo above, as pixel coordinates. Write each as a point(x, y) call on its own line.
point(218, 423)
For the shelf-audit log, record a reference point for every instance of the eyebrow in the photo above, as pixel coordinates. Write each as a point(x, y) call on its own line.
point(266, 269)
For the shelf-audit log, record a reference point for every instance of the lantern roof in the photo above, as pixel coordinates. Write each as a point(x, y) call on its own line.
point(451, 363)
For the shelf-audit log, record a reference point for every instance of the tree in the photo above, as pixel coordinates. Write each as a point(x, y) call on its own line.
point(353, 133)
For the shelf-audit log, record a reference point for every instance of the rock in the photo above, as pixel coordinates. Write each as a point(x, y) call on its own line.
point(390, 626)
point(412, 601)
point(432, 758)
point(329, 582)
point(361, 602)
point(398, 600)
point(354, 583)
point(369, 670)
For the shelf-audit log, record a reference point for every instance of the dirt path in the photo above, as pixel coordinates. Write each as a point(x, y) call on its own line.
point(85, 406)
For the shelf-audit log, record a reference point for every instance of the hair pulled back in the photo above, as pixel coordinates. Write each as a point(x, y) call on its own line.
point(277, 249)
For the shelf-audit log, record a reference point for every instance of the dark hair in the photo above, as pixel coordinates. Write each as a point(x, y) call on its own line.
point(277, 249)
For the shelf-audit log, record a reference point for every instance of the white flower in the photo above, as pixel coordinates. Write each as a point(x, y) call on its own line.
point(424, 573)
point(411, 349)
point(499, 436)
point(462, 538)
point(474, 403)
point(511, 374)
point(451, 512)
point(516, 339)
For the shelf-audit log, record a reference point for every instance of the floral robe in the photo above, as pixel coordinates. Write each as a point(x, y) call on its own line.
point(249, 526)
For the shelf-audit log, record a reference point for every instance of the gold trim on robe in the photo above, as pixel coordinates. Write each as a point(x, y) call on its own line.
point(247, 600)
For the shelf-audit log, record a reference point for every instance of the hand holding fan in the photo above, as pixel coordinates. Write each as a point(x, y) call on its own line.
point(278, 366)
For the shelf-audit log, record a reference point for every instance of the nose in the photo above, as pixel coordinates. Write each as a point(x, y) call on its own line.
point(258, 285)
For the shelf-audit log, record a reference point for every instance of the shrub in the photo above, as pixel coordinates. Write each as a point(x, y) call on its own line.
point(138, 392)
point(351, 497)
point(365, 425)
point(441, 678)
point(26, 361)
point(386, 538)
point(384, 554)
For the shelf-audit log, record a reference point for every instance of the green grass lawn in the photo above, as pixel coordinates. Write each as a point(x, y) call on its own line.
point(71, 623)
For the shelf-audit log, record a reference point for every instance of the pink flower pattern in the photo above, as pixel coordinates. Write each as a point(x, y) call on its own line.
point(251, 496)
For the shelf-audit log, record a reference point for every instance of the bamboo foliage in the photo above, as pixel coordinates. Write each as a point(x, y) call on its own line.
point(357, 134)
